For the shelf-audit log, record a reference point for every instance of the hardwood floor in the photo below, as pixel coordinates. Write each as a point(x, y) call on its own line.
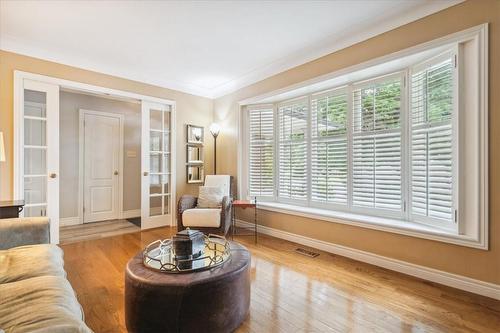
point(291, 292)
point(95, 230)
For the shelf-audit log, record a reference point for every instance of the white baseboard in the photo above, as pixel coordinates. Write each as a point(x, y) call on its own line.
point(128, 214)
point(448, 279)
point(66, 221)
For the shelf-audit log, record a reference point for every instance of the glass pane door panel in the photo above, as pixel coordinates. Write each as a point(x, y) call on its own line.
point(35, 211)
point(155, 143)
point(166, 142)
point(35, 161)
point(35, 103)
point(155, 119)
point(166, 163)
point(35, 190)
point(155, 163)
point(166, 204)
point(34, 132)
point(165, 184)
point(155, 186)
point(155, 205)
point(166, 120)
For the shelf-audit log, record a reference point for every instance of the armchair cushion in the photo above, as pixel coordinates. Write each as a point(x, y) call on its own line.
point(201, 217)
point(210, 197)
point(222, 181)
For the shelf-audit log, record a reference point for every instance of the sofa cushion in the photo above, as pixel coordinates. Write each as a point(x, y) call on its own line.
point(40, 304)
point(29, 261)
point(201, 217)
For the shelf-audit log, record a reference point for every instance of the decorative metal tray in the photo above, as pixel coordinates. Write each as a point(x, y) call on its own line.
point(160, 256)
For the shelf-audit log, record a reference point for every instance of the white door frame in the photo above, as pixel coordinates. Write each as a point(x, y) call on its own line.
point(81, 159)
point(20, 76)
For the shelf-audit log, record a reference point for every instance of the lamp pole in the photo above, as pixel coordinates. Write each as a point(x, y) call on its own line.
point(215, 154)
point(215, 129)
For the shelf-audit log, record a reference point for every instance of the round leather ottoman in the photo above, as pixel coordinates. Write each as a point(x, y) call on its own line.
point(215, 300)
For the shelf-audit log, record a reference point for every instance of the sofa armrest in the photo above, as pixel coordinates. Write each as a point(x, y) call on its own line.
point(24, 231)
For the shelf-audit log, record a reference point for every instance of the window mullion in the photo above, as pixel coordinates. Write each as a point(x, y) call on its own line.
point(350, 124)
point(405, 144)
point(308, 150)
point(276, 151)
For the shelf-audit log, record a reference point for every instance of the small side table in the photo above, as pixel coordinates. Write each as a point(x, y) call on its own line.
point(244, 204)
point(11, 208)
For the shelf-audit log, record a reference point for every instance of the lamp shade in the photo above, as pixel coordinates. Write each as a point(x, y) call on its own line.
point(215, 129)
point(2, 148)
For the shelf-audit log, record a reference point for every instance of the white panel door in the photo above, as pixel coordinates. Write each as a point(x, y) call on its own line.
point(101, 167)
point(156, 199)
point(39, 160)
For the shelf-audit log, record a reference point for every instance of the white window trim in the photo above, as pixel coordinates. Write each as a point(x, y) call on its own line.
point(372, 222)
point(479, 239)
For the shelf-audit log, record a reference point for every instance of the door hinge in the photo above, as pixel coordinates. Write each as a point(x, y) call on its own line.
point(404, 206)
point(455, 60)
point(404, 81)
point(456, 216)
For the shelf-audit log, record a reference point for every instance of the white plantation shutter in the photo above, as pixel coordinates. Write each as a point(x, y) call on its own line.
point(329, 147)
point(261, 152)
point(376, 169)
point(377, 147)
point(432, 103)
point(293, 122)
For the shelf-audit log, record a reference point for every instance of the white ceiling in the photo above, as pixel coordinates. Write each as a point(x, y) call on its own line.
point(208, 48)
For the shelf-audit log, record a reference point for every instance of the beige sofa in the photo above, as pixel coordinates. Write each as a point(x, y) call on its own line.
point(35, 295)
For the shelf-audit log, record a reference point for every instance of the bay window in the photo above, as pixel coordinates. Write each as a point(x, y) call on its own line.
point(402, 150)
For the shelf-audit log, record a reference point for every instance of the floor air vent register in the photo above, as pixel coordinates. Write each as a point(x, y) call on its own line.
point(306, 253)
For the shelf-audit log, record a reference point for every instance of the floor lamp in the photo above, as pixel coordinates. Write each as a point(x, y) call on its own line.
point(215, 129)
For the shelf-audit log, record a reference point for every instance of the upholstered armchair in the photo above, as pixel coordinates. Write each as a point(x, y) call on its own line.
point(207, 220)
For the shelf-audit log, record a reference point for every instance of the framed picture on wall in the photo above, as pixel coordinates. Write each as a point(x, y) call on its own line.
point(195, 134)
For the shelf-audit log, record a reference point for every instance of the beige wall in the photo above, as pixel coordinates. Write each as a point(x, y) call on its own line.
point(479, 264)
point(190, 110)
point(69, 120)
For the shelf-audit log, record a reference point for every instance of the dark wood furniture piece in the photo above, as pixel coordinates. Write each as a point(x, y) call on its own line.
point(11, 208)
point(215, 300)
point(244, 204)
point(190, 202)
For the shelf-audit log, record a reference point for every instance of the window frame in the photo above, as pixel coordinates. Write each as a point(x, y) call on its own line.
point(472, 194)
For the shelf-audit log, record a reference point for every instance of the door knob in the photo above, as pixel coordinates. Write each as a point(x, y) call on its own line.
point(115, 173)
point(52, 175)
point(145, 173)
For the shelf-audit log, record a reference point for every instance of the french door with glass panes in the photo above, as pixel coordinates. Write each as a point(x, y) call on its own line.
point(157, 200)
point(39, 156)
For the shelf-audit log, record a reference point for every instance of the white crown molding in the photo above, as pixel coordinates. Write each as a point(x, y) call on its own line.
point(326, 46)
point(434, 275)
point(15, 45)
